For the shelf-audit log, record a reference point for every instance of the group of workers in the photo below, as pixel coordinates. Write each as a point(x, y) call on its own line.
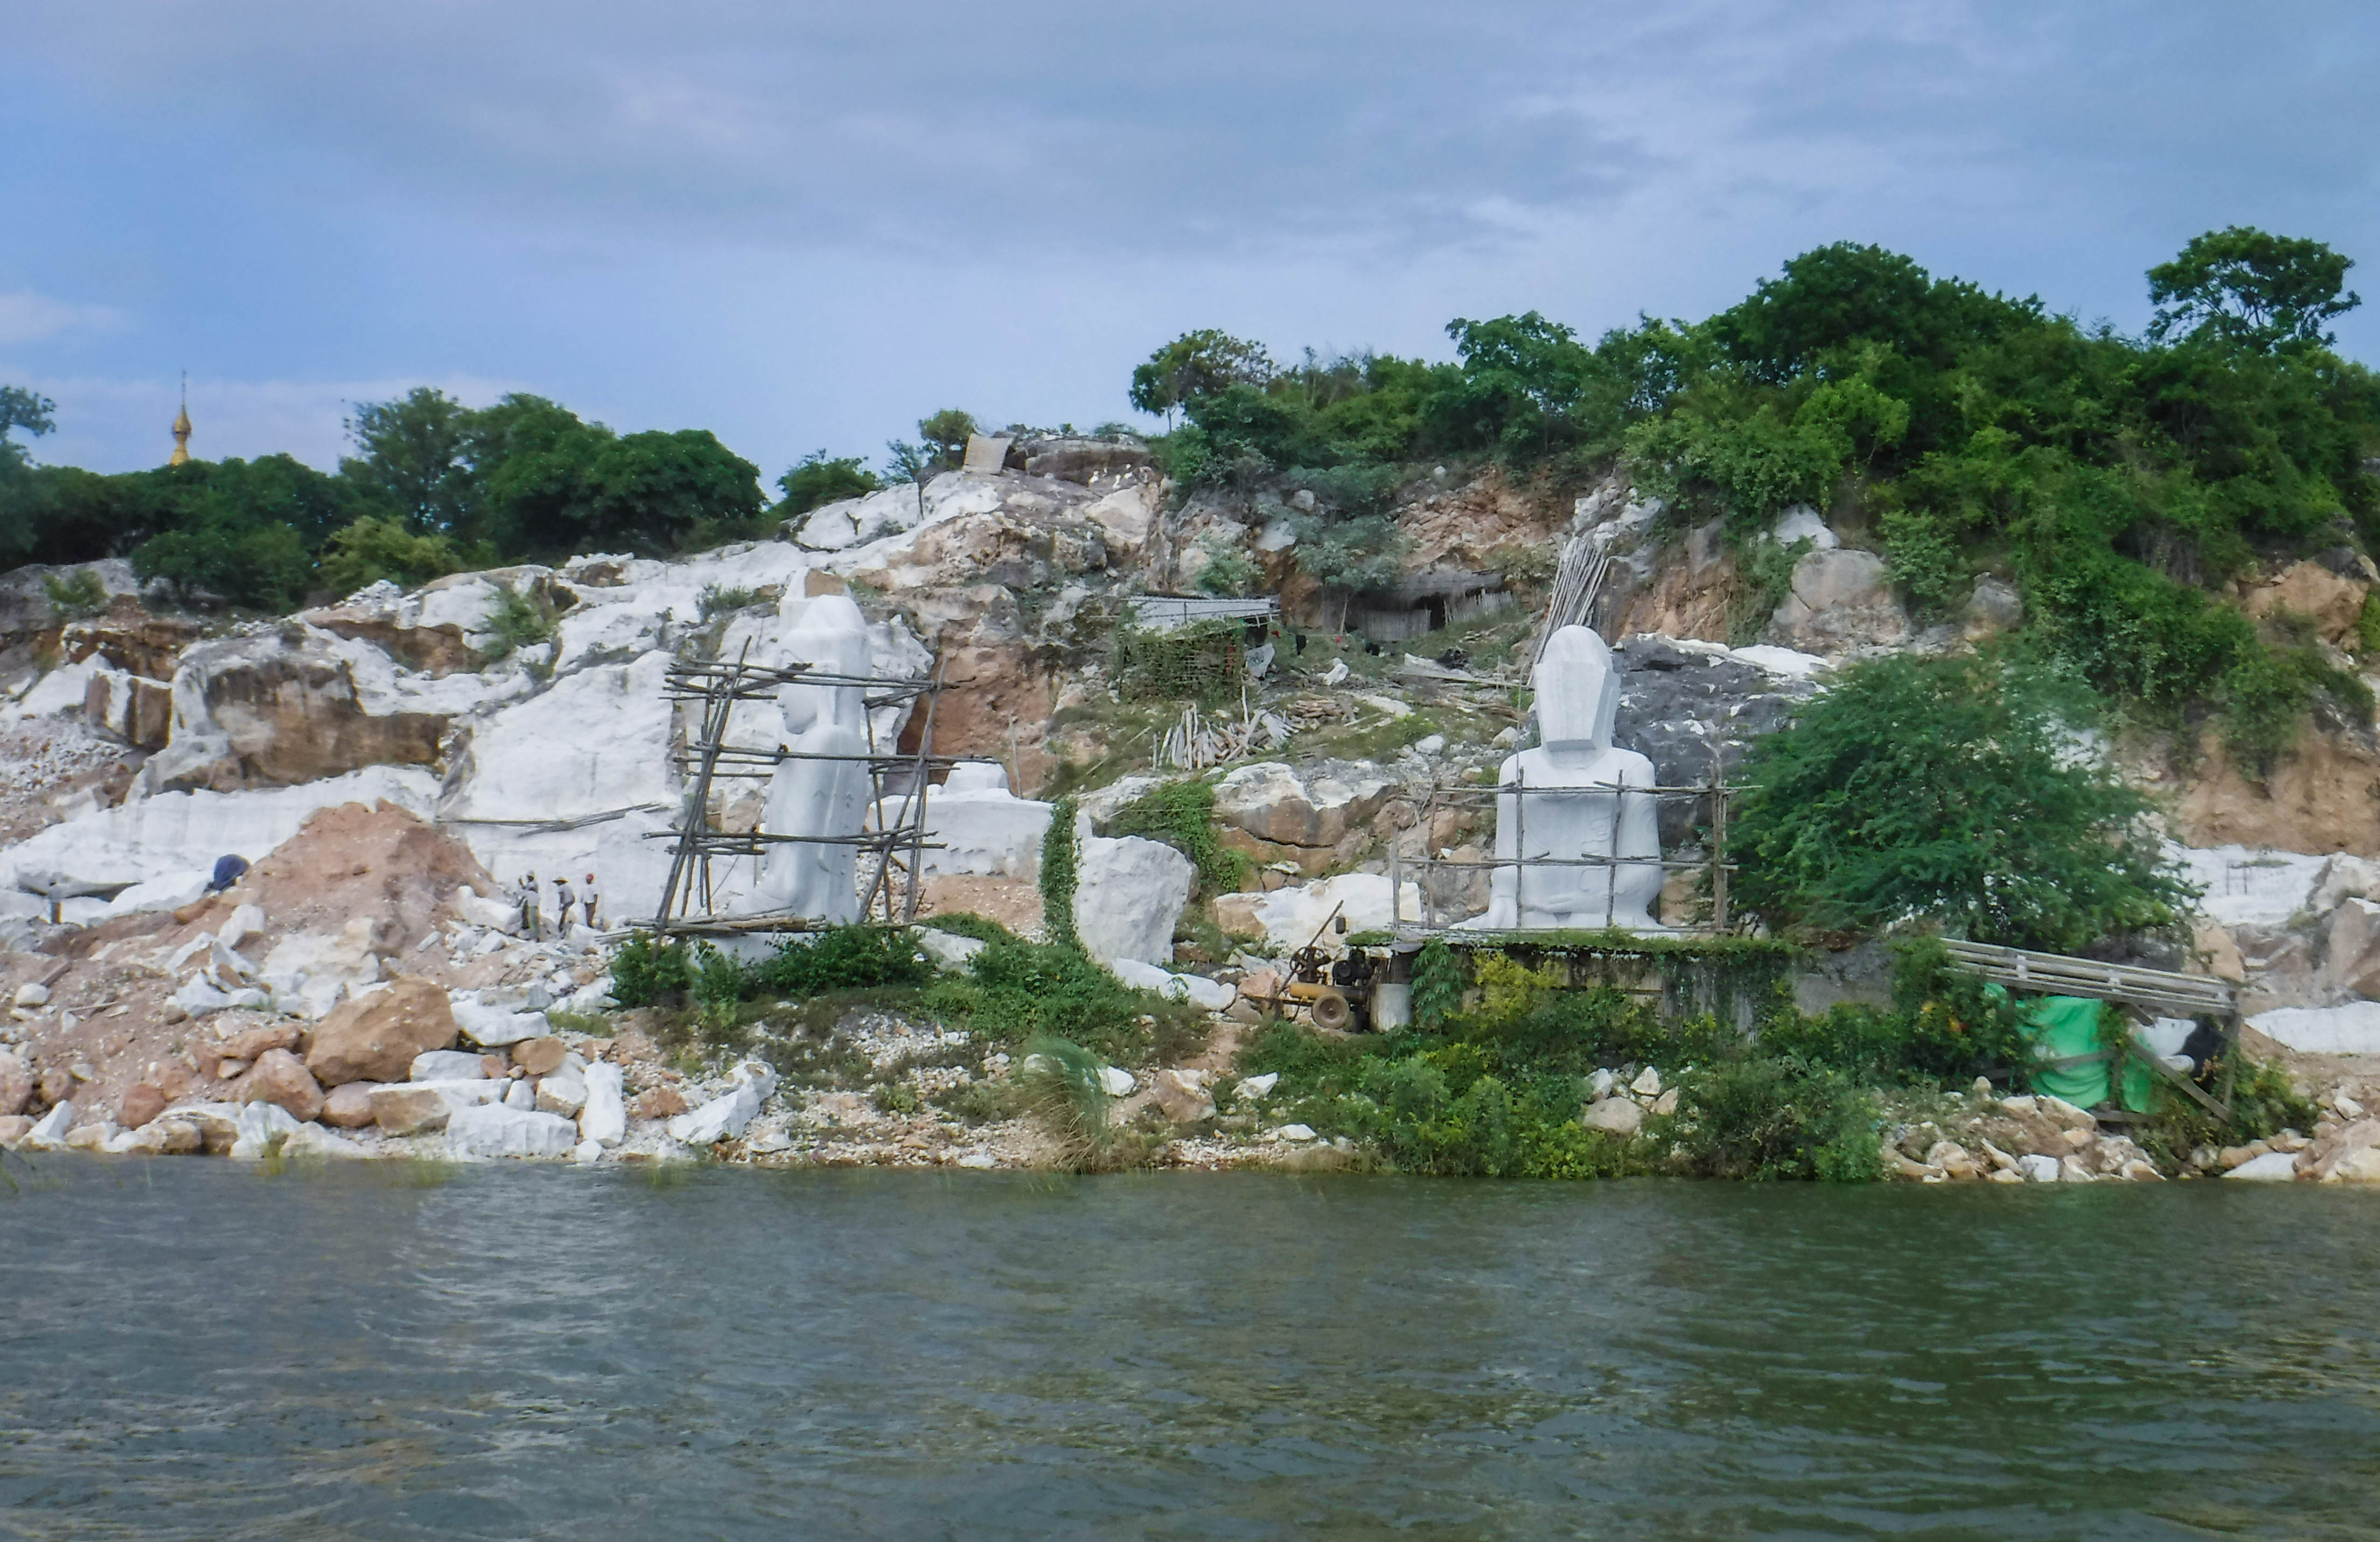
point(566, 901)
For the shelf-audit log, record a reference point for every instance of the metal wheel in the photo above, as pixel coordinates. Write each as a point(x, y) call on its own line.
point(1331, 1011)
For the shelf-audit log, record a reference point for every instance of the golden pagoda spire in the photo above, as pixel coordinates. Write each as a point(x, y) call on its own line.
point(181, 455)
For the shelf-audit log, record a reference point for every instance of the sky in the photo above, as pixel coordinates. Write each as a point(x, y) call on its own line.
point(805, 225)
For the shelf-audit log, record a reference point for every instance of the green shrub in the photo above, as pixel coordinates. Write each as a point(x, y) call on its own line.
point(1946, 788)
point(716, 601)
point(518, 621)
point(1437, 985)
point(963, 923)
point(2264, 1102)
point(77, 593)
point(839, 958)
point(1181, 814)
point(1766, 567)
point(1058, 873)
point(1015, 991)
point(1774, 1118)
point(376, 547)
point(646, 973)
point(1229, 571)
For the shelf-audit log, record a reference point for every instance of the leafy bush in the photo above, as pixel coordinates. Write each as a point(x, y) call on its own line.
point(518, 621)
point(1229, 571)
point(1015, 991)
point(2264, 1102)
point(1058, 873)
point(75, 594)
point(1437, 985)
point(1775, 1118)
point(646, 973)
point(375, 547)
point(821, 479)
point(1181, 814)
point(1949, 789)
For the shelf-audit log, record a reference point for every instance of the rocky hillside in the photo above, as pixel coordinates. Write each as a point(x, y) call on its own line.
point(392, 766)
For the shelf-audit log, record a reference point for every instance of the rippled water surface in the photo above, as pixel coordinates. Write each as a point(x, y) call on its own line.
point(200, 1349)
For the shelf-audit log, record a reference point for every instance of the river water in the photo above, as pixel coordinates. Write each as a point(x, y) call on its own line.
point(206, 1350)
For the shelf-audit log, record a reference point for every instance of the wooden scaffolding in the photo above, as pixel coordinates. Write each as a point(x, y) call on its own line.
point(891, 853)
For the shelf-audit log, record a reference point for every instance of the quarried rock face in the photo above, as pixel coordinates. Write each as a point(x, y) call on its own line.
point(1841, 600)
point(2330, 594)
point(1268, 811)
point(1681, 702)
point(375, 1039)
point(279, 708)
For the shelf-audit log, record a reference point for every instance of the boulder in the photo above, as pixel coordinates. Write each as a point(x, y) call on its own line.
point(1993, 608)
point(1213, 995)
point(139, 1104)
point(263, 1129)
point(492, 914)
point(249, 1043)
point(660, 1102)
point(497, 1027)
point(1128, 897)
point(281, 1078)
point(1289, 918)
point(1840, 599)
point(604, 1118)
point(520, 1093)
point(2330, 1158)
point(1619, 1116)
point(13, 1130)
point(979, 826)
point(1270, 812)
point(50, 1130)
point(311, 971)
point(539, 1056)
point(313, 1140)
point(950, 951)
point(165, 1138)
point(16, 1083)
point(2352, 965)
point(2038, 1169)
point(564, 1093)
point(413, 1108)
point(2273, 1167)
point(727, 1115)
point(129, 707)
point(375, 1039)
point(449, 1065)
point(494, 1130)
point(349, 1105)
point(1182, 1096)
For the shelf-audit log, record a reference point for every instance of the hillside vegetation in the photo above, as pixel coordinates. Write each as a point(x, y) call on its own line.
point(2120, 482)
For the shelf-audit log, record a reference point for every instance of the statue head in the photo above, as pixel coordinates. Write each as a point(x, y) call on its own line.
point(828, 634)
point(1578, 692)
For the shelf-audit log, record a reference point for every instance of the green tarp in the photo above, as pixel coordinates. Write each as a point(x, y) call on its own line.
point(2067, 1026)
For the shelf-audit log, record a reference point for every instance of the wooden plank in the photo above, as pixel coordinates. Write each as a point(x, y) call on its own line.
point(2177, 1079)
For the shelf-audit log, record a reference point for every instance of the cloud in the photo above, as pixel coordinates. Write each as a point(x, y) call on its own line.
point(26, 317)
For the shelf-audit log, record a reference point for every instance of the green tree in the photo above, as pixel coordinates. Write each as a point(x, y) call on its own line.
point(21, 409)
point(1350, 555)
point(945, 434)
point(1952, 790)
point(416, 457)
point(1195, 364)
point(821, 480)
point(2242, 286)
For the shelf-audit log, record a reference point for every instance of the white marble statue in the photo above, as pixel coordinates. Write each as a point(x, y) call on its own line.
point(818, 797)
point(1592, 815)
